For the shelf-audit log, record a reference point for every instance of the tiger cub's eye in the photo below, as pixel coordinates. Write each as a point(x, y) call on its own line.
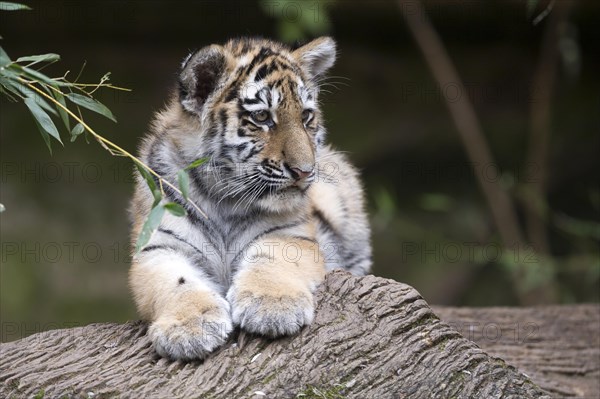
point(307, 115)
point(261, 115)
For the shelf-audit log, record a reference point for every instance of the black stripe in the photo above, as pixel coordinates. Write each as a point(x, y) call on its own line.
point(157, 247)
point(233, 91)
point(199, 259)
point(280, 227)
point(261, 73)
point(272, 67)
point(239, 223)
point(237, 147)
point(325, 223)
point(312, 240)
point(213, 131)
point(252, 152)
point(179, 238)
point(246, 46)
point(250, 101)
point(260, 235)
point(283, 65)
point(355, 262)
point(260, 57)
point(192, 214)
point(210, 229)
point(183, 91)
point(241, 147)
point(223, 118)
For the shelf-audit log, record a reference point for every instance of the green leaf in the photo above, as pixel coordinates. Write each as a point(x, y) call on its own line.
point(59, 96)
point(10, 86)
point(38, 76)
point(184, 183)
point(44, 121)
point(77, 130)
point(4, 58)
point(34, 59)
point(37, 97)
point(150, 182)
point(175, 209)
point(91, 104)
point(150, 226)
point(7, 91)
point(12, 71)
point(196, 163)
point(45, 136)
point(8, 6)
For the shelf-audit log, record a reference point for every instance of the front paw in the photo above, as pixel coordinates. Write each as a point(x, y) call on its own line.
point(271, 314)
point(191, 331)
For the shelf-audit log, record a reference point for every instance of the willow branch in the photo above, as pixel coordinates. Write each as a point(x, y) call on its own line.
point(110, 144)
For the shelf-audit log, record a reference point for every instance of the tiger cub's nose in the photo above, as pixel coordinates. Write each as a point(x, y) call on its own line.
point(301, 173)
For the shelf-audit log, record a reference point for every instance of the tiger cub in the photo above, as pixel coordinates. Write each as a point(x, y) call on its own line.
point(282, 206)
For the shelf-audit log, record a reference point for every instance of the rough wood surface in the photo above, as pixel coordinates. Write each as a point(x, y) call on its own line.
point(371, 338)
point(558, 347)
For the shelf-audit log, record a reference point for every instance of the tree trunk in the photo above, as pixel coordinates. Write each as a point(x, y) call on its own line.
point(371, 338)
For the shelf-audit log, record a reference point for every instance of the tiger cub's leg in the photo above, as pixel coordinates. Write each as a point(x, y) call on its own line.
point(189, 316)
point(272, 293)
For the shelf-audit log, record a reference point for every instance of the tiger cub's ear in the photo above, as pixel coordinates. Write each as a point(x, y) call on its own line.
point(200, 74)
point(316, 57)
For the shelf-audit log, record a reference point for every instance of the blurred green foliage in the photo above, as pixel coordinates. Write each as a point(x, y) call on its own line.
point(298, 20)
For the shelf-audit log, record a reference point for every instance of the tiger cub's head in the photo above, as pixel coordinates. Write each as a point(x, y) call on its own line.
point(256, 105)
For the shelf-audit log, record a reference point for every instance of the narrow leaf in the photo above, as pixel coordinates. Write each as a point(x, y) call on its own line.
point(10, 86)
point(150, 226)
point(63, 114)
point(45, 136)
point(175, 209)
point(38, 98)
point(77, 130)
point(34, 59)
point(8, 6)
point(12, 71)
point(7, 92)
point(196, 163)
point(150, 182)
point(38, 76)
point(4, 58)
point(91, 104)
point(184, 183)
point(42, 118)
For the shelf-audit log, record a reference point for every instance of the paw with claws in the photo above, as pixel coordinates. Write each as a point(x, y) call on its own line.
point(192, 328)
point(281, 310)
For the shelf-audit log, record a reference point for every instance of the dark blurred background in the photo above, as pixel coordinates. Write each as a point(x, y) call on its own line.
point(64, 233)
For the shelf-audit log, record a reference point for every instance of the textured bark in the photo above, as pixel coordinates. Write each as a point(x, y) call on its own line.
point(558, 347)
point(371, 338)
